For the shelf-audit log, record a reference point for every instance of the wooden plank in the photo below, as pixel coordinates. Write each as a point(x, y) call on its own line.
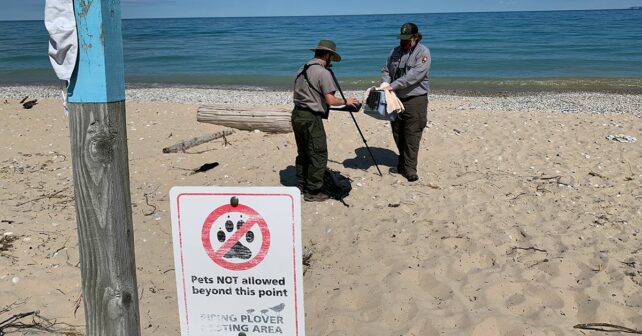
point(101, 173)
point(183, 145)
point(271, 119)
point(103, 214)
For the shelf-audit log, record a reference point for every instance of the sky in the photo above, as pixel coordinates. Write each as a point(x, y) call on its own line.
point(33, 9)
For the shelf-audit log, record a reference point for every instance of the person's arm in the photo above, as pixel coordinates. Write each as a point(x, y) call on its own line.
point(416, 73)
point(331, 100)
point(329, 87)
point(385, 75)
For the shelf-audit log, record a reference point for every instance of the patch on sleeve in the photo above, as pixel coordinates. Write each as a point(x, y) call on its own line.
point(425, 59)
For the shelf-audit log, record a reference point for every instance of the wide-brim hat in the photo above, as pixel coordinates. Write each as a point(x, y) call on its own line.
point(407, 31)
point(330, 46)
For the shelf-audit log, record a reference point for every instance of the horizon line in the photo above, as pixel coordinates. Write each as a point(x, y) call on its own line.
point(327, 15)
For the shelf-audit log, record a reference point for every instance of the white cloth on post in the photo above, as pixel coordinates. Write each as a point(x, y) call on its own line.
point(63, 39)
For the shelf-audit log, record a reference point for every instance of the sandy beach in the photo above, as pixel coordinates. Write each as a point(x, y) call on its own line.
point(525, 221)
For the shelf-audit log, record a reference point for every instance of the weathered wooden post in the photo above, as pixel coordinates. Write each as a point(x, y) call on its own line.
point(101, 173)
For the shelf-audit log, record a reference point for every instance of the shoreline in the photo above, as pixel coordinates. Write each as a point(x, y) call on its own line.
point(457, 86)
point(540, 101)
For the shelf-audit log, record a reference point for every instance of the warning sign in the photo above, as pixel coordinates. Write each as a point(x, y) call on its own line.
point(235, 238)
point(238, 260)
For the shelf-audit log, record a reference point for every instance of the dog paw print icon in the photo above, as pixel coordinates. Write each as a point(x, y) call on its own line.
point(235, 236)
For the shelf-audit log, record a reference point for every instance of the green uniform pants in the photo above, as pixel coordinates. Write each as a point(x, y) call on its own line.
point(312, 148)
point(407, 130)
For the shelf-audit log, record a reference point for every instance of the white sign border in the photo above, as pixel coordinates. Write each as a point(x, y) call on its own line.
point(295, 197)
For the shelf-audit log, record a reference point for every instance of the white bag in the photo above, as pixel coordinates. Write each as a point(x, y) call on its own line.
point(376, 107)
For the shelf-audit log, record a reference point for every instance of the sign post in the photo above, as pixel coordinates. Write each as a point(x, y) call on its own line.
point(238, 260)
point(101, 173)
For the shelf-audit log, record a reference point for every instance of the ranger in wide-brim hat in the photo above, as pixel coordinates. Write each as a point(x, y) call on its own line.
point(313, 94)
point(330, 46)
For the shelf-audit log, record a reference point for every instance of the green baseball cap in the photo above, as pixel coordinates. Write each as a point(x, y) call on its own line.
point(328, 45)
point(408, 29)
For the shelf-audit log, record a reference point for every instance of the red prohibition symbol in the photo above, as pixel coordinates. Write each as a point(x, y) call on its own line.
point(252, 218)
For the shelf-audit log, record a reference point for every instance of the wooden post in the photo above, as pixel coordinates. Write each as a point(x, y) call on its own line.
point(101, 173)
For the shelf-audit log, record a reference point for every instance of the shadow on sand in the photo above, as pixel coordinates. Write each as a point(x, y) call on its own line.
point(363, 160)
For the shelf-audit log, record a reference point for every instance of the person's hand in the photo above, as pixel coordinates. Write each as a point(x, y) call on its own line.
point(386, 86)
point(354, 104)
point(352, 101)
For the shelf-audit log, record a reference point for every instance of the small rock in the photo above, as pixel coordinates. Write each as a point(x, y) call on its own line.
point(622, 138)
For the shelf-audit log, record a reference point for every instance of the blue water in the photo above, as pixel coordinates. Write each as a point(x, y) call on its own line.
point(561, 48)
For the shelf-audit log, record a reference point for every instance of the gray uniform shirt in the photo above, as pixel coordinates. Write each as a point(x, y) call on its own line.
point(322, 83)
point(407, 71)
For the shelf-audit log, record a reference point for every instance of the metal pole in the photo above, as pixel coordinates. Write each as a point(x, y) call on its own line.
point(355, 122)
point(101, 174)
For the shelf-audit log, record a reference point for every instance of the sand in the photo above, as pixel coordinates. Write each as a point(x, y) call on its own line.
point(522, 223)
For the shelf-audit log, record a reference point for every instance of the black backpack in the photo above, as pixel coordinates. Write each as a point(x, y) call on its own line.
point(336, 185)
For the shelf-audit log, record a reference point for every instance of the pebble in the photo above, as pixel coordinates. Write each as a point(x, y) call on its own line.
point(621, 138)
point(589, 102)
point(573, 102)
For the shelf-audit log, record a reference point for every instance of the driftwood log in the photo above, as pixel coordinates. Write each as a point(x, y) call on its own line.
point(270, 119)
point(183, 145)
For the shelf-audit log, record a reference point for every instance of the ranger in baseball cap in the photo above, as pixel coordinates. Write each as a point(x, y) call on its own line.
point(406, 73)
point(408, 30)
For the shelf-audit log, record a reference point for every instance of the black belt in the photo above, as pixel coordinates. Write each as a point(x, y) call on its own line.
point(404, 99)
point(304, 108)
point(323, 115)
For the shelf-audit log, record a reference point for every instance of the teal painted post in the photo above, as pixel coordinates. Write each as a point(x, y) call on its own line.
point(101, 172)
point(100, 74)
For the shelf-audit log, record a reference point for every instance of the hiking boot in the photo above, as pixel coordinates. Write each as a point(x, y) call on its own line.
point(395, 171)
point(318, 196)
